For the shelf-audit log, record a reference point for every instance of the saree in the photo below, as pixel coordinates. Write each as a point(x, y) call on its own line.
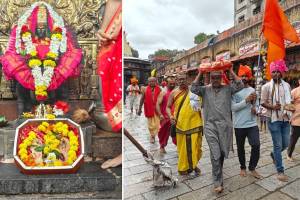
point(188, 134)
point(109, 61)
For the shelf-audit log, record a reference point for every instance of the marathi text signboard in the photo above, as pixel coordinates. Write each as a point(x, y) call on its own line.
point(223, 56)
point(249, 47)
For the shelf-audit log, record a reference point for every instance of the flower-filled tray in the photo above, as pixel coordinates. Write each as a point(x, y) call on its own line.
point(45, 146)
point(215, 66)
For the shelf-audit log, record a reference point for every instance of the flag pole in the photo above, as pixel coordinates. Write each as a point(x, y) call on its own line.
point(259, 68)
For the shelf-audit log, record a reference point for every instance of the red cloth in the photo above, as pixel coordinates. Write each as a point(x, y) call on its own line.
point(163, 107)
point(110, 70)
point(109, 60)
point(276, 28)
point(165, 125)
point(164, 133)
point(150, 101)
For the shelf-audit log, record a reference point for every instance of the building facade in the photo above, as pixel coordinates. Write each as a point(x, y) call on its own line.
point(137, 67)
point(240, 44)
point(245, 9)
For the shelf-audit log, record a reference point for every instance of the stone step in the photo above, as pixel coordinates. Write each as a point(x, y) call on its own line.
point(89, 178)
point(106, 144)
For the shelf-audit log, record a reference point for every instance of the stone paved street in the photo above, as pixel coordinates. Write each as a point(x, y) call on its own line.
point(137, 177)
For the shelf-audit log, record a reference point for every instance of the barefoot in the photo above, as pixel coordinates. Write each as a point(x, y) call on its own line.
point(219, 189)
point(183, 173)
point(243, 173)
point(197, 171)
point(290, 159)
point(112, 162)
point(162, 150)
point(255, 174)
point(152, 139)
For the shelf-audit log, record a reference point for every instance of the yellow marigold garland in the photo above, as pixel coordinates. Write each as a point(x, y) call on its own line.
point(49, 62)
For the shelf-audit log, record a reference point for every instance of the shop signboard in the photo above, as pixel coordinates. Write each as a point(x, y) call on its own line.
point(223, 56)
point(248, 47)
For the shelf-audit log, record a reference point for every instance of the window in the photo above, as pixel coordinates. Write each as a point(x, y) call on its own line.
point(241, 18)
point(256, 10)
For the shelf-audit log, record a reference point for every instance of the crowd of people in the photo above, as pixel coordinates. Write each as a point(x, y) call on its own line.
point(216, 110)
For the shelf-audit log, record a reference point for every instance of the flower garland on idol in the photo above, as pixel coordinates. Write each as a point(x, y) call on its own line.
point(58, 40)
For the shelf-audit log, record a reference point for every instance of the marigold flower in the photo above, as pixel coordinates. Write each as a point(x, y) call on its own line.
point(46, 150)
point(22, 151)
point(56, 35)
point(52, 55)
point(26, 34)
point(33, 53)
point(22, 146)
point(50, 116)
point(46, 124)
point(34, 62)
point(42, 128)
point(57, 163)
point(49, 63)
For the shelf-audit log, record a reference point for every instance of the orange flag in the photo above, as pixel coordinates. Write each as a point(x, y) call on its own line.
point(276, 28)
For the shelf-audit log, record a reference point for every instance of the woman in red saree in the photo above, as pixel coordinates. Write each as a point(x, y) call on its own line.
point(109, 61)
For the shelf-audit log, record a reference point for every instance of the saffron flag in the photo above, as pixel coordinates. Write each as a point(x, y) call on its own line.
point(276, 29)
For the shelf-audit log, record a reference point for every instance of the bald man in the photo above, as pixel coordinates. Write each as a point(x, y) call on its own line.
point(217, 119)
point(149, 99)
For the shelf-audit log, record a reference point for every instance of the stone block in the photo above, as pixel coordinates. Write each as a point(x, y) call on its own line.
point(167, 193)
point(130, 191)
point(272, 183)
point(106, 144)
point(89, 178)
point(88, 129)
point(202, 194)
point(277, 196)
point(7, 136)
point(250, 192)
point(292, 189)
point(200, 182)
point(237, 182)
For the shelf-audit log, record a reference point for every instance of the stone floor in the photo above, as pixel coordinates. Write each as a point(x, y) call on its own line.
point(90, 182)
point(137, 177)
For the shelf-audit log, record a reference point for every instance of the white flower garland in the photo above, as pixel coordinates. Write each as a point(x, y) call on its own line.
point(42, 79)
point(29, 47)
point(56, 44)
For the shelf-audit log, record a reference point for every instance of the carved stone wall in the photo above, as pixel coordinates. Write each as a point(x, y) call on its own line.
point(83, 17)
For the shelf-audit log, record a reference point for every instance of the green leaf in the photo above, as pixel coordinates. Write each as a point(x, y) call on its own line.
point(39, 148)
point(56, 153)
point(23, 52)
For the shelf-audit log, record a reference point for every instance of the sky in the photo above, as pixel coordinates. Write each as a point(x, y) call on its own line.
point(172, 24)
